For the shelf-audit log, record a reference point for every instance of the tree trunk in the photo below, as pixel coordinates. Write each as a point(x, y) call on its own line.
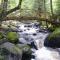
point(4, 7)
point(51, 6)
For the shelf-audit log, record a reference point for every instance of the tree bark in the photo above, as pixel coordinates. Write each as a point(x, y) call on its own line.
point(4, 9)
point(16, 8)
point(51, 6)
point(32, 18)
point(12, 10)
point(5, 13)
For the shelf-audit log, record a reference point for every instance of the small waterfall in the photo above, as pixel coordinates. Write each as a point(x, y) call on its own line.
point(31, 32)
point(46, 54)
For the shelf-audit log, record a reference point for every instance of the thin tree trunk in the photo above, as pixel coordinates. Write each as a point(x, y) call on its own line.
point(4, 9)
point(45, 12)
point(51, 6)
point(5, 12)
point(16, 8)
point(12, 10)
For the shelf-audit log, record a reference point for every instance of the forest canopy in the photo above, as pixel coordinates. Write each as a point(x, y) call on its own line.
point(32, 8)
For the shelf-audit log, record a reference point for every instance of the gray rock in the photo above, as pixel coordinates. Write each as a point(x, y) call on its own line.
point(12, 48)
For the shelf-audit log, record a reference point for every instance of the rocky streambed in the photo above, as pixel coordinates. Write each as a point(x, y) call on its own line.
point(33, 35)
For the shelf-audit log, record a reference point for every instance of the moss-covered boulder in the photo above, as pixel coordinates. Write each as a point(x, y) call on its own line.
point(53, 40)
point(1, 35)
point(12, 37)
point(12, 48)
point(54, 34)
point(26, 48)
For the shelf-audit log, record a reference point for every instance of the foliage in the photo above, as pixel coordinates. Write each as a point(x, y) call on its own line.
point(51, 28)
point(12, 37)
point(55, 5)
point(12, 4)
point(1, 35)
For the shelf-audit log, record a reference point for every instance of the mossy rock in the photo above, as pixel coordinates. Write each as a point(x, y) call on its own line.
point(27, 49)
point(12, 37)
point(54, 34)
point(1, 35)
point(53, 40)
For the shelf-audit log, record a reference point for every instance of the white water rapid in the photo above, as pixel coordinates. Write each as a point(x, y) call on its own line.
point(31, 32)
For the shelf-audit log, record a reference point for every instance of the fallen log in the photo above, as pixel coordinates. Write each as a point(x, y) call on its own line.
point(19, 18)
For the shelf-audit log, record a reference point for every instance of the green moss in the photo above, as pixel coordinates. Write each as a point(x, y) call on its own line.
point(1, 57)
point(27, 49)
point(54, 34)
point(1, 35)
point(12, 37)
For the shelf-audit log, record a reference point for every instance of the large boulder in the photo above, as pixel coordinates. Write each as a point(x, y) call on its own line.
point(12, 48)
point(53, 40)
point(26, 48)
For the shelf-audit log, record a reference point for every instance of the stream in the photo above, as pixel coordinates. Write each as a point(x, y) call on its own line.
point(31, 32)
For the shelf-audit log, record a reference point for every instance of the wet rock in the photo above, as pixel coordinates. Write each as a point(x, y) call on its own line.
point(34, 34)
point(20, 31)
point(24, 30)
point(53, 40)
point(28, 29)
point(26, 56)
point(26, 51)
point(37, 25)
point(12, 48)
point(22, 40)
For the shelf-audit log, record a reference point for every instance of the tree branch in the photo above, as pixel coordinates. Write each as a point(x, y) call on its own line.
point(16, 8)
point(12, 10)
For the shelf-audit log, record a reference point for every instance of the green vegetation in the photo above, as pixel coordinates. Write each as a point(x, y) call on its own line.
point(54, 34)
point(27, 10)
point(12, 37)
point(1, 35)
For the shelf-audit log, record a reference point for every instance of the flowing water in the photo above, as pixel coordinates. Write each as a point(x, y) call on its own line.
point(31, 32)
